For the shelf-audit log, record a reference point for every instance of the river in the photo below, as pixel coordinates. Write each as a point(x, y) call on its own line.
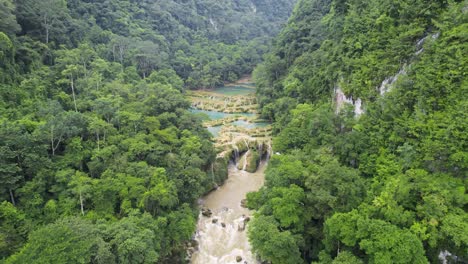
point(222, 236)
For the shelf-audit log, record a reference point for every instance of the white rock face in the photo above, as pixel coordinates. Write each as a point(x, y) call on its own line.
point(385, 86)
point(341, 100)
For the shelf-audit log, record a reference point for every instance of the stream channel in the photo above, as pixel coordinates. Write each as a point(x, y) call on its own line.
point(222, 236)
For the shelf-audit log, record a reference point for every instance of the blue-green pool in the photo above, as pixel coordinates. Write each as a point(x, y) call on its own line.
point(234, 90)
point(213, 115)
point(214, 130)
point(248, 125)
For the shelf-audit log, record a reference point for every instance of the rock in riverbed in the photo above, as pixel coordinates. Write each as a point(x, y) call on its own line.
point(241, 227)
point(206, 212)
point(244, 203)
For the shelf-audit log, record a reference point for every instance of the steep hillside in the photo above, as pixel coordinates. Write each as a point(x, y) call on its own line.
point(369, 103)
point(206, 42)
point(100, 159)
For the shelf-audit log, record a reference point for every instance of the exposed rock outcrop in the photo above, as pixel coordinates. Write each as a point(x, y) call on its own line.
point(241, 227)
point(244, 203)
point(206, 212)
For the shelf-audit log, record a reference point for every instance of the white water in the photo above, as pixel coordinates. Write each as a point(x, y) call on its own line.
point(420, 43)
point(218, 244)
point(213, 24)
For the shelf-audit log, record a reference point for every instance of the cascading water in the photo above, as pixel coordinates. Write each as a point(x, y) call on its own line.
point(222, 226)
point(236, 153)
point(420, 43)
point(244, 167)
point(246, 143)
point(220, 237)
point(269, 150)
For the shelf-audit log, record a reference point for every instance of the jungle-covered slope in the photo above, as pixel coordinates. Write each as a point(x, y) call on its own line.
point(382, 178)
point(100, 159)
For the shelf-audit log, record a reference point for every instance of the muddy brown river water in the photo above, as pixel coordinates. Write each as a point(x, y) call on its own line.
point(218, 244)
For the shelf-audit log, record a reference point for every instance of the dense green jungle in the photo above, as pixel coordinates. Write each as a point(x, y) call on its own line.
point(103, 160)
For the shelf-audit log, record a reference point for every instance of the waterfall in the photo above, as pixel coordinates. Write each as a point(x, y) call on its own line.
point(388, 83)
point(260, 149)
point(213, 24)
point(269, 150)
point(420, 43)
point(445, 256)
point(246, 143)
point(236, 153)
point(212, 172)
point(419, 46)
point(244, 168)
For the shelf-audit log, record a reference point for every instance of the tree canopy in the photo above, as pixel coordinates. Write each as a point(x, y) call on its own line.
point(101, 160)
point(385, 183)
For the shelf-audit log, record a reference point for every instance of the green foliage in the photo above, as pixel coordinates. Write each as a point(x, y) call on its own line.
point(13, 229)
point(8, 23)
point(301, 191)
point(345, 257)
point(271, 243)
point(100, 159)
point(206, 43)
point(382, 242)
point(387, 186)
point(67, 241)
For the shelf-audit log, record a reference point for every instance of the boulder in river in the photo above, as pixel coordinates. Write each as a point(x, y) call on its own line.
point(241, 227)
point(223, 225)
point(238, 258)
point(244, 203)
point(194, 243)
point(214, 221)
point(206, 212)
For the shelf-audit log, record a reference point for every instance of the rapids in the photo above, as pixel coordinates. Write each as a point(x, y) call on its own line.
point(222, 236)
point(218, 244)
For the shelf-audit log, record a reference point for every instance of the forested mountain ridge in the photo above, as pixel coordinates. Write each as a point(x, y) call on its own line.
point(205, 42)
point(100, 159)
point(379, 182)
